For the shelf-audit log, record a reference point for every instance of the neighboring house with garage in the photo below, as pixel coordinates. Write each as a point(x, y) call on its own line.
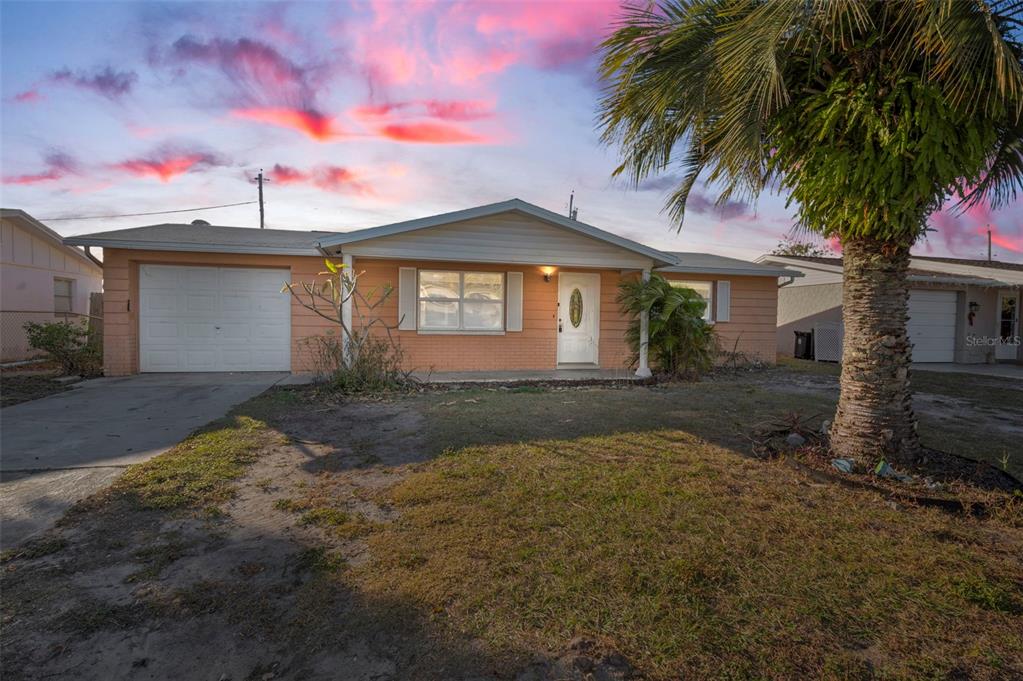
point(482, 289)
point(963, 311)
point(41, 279)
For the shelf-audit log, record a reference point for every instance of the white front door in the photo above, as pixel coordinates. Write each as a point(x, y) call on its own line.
point(1008, 325)
point(213, 319)
point(578, 318)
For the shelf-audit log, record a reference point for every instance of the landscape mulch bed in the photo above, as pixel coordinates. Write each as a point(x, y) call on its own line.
point(939, 479)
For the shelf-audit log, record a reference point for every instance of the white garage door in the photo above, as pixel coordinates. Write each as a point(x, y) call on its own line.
point(213, 319)
point(932, 325)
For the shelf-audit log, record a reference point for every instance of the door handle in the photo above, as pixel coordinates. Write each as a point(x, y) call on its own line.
point(560, 328)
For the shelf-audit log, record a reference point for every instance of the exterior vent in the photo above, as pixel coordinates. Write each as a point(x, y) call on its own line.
point(827, 342)
point(201, 223)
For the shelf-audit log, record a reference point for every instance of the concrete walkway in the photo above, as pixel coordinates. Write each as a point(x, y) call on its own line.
point(553, 375)
point(59, 449)
point(1001, 370)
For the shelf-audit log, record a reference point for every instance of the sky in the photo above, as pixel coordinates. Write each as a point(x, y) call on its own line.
point(358, 113)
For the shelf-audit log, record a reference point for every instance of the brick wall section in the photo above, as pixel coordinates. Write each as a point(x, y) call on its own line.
point(120, 300)
point(753, 318)
point(535, 347)
point(753, 314)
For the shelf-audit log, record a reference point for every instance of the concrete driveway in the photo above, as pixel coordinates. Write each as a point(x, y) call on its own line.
point(59, 449)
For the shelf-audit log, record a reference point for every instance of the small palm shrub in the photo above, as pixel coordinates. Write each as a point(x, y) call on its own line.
point(681, 344)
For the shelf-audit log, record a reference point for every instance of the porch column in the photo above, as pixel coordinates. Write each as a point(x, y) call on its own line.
point(644, 338)
point(346, 306)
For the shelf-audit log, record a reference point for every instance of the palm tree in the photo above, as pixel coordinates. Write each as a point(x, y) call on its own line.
point(870, 114)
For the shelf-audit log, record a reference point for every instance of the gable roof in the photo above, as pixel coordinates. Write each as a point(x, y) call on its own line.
point(708, 263)
point(47, 234)
point(209, 238)
point(513, 205)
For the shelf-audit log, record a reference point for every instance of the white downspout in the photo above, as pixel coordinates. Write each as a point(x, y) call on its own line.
point(644, 338)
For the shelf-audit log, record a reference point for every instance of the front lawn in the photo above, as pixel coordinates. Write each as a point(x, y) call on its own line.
point(690, 560)
point(488, 533)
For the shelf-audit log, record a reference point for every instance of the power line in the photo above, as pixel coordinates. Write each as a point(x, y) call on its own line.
point(159, 212)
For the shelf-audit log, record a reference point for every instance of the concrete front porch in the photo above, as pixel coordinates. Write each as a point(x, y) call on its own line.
point(504, 377)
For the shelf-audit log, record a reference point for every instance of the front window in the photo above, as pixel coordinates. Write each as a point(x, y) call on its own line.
point(62, 295)
point(704, 289)
point(461, 301)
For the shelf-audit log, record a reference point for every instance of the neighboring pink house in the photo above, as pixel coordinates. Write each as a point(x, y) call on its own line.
point(488, 288)
point(41, 279)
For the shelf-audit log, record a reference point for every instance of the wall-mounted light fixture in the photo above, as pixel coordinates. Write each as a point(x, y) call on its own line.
point(548, 272)
point(974, 306)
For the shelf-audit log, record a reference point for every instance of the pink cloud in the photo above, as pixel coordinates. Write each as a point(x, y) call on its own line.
point(448, 110)
point(965, 234)
point(167, 163)
point(58, 166)
point(430, 133)
point(313, 124)
point(327, 177)
point(31, 96)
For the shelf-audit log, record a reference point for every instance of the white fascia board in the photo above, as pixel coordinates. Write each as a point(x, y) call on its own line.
point(190, 248)
point(496, 260)
point(801, 264)
point(958, 281)
point(738, 272)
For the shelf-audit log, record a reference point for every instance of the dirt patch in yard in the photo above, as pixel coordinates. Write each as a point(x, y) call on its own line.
point(16, 388)
point(977, 417)
point(529, 534)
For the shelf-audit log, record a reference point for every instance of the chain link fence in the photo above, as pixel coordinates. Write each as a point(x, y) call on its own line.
point(14, 342)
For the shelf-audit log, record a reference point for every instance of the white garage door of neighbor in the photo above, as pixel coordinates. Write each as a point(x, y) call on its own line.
point(213, 319)
point(932, 325)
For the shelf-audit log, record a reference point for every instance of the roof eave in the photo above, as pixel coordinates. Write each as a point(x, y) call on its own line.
point(190, 248)
point(959, 281)
point(734, 271)
point(796, 262)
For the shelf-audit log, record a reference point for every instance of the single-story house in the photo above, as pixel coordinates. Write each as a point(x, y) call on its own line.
point(960, 310)
point(483, 289)
point(41, 279)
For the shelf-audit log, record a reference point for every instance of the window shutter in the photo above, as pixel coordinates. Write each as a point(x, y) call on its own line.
point(514, 283)
point(724, 304)
point(407, 286)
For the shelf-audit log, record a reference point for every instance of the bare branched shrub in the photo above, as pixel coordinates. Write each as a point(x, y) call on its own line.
point(364, 356)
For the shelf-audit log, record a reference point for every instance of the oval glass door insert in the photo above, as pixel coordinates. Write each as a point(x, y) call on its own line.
point(575, 308)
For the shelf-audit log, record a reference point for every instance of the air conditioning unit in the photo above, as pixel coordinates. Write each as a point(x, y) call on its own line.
point(827, 342)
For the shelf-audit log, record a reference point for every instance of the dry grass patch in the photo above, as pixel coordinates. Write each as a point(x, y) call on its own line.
point(692, 560)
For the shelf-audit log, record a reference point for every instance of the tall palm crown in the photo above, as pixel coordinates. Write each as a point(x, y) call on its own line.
point(870, 114)
point(747, 92)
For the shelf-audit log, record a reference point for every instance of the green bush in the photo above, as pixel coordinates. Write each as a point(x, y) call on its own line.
point(680, 344)
point(70, 344)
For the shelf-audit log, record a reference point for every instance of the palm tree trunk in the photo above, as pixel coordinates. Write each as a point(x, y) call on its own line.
point(875, 411)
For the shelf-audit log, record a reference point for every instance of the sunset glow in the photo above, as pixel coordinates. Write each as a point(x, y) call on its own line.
point(359, 114)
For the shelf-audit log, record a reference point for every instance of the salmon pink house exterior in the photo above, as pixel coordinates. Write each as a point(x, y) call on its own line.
point(502, 287)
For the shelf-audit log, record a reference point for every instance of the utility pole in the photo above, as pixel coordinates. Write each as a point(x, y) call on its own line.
point(989, 243)
point(259, 180)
